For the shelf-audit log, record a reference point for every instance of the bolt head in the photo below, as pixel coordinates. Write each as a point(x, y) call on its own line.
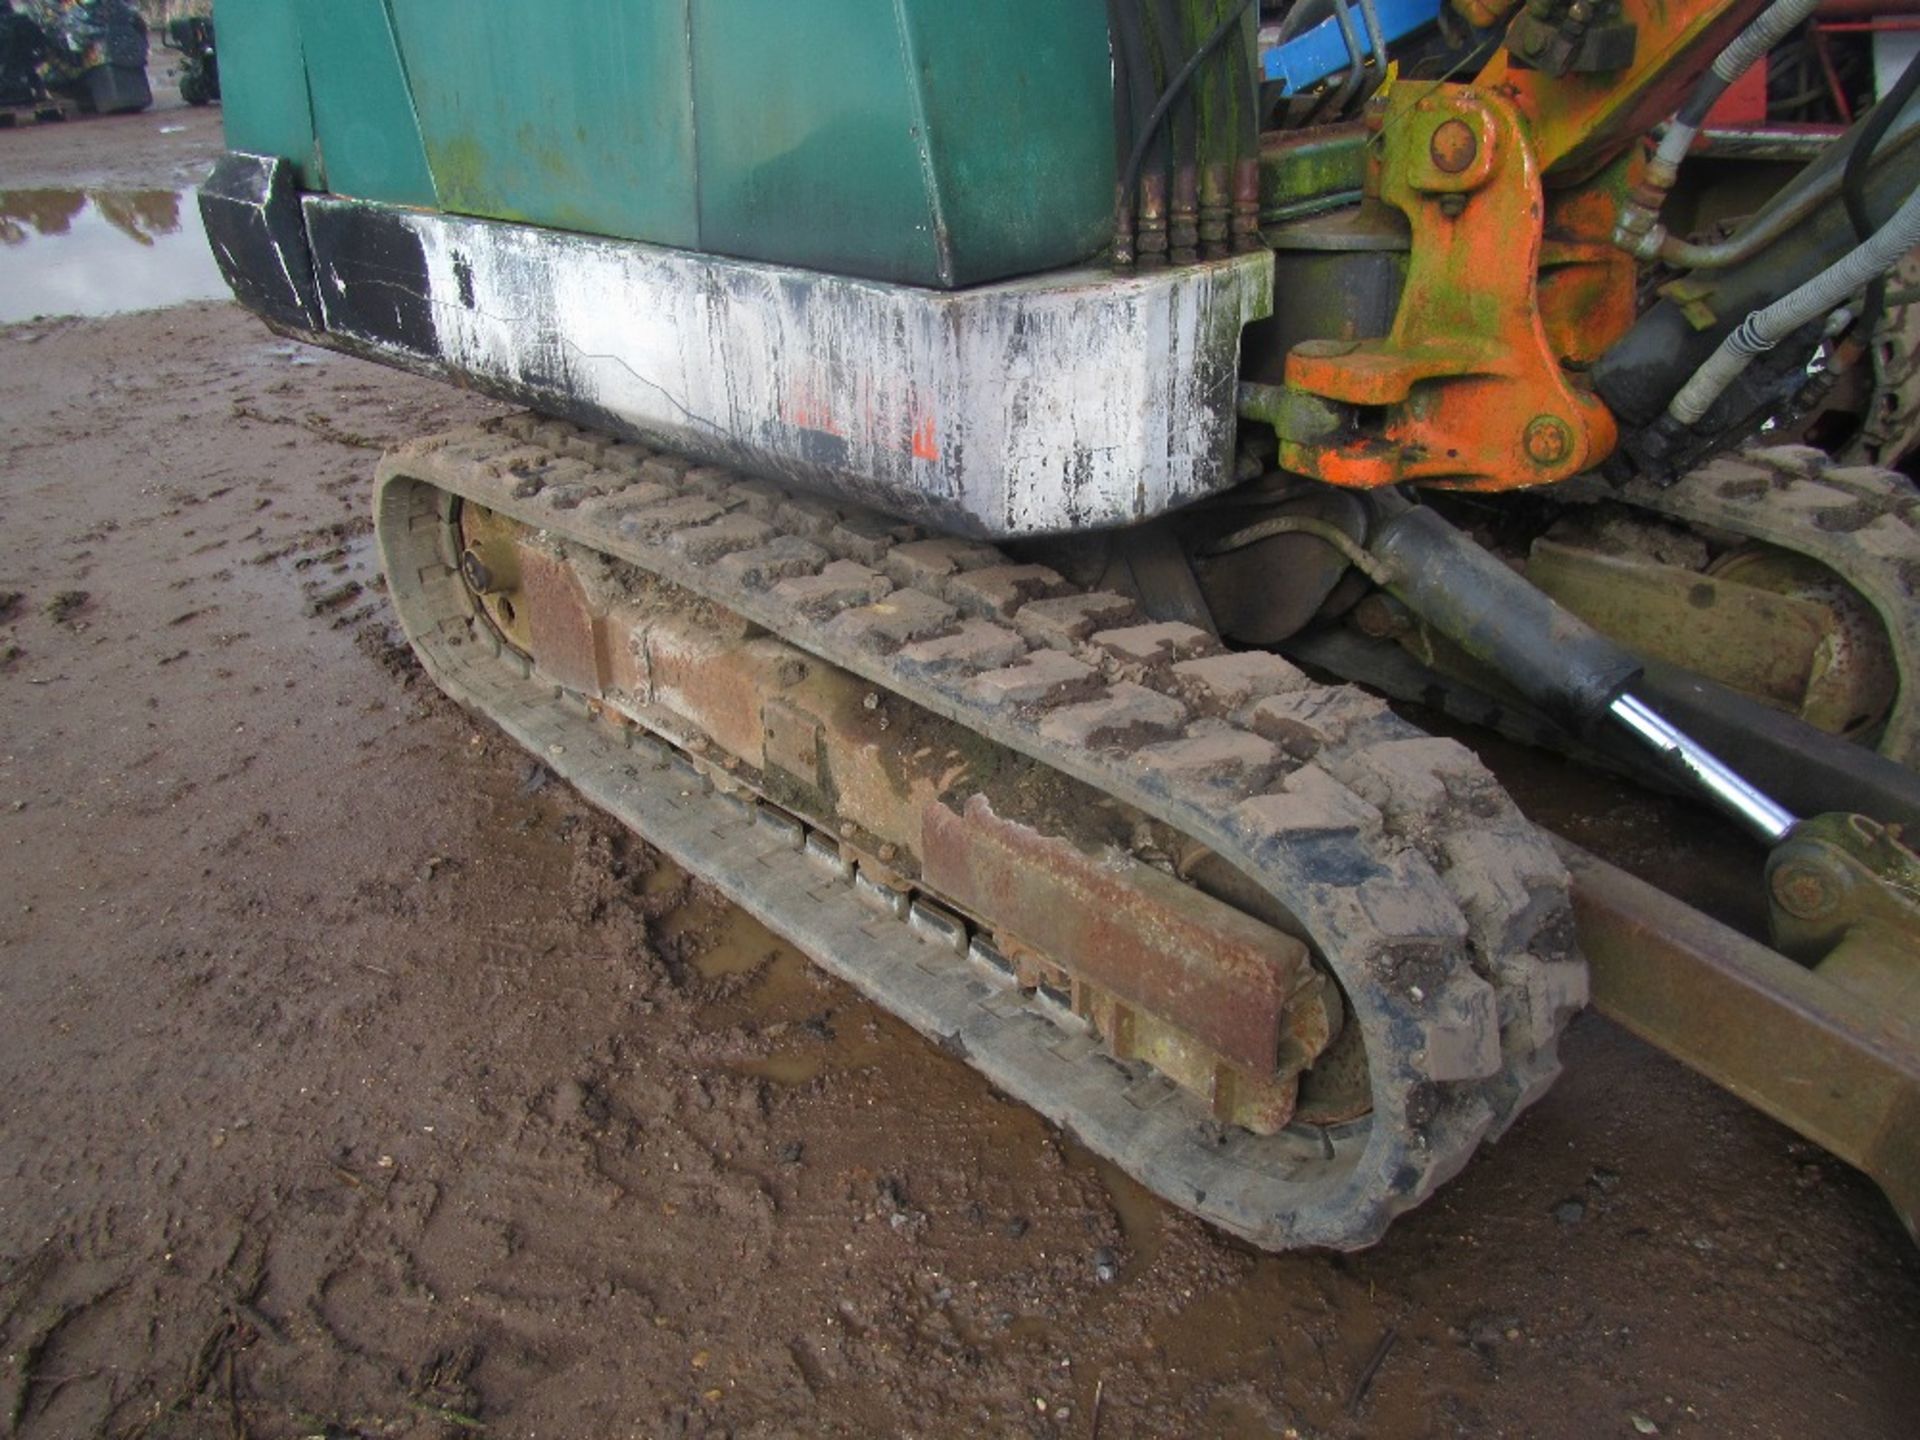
point(1453, 146)
point(474, 571)
point(1804, 891)
point(1549, 441)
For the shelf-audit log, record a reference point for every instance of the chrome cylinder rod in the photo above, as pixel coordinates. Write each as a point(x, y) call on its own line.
point(1760, 813)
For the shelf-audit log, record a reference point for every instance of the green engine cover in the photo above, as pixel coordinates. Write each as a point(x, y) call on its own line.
point(927, 142)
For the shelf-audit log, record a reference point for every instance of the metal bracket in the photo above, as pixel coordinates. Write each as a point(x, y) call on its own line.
point(1845, 897)
point(1815, 1055)
point(1468, 391)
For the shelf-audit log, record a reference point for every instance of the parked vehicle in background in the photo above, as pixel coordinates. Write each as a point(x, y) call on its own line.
point(95, 53)
point(22, 46)
point(192, 37)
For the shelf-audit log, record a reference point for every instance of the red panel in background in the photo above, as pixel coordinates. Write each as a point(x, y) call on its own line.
point(1745, 102)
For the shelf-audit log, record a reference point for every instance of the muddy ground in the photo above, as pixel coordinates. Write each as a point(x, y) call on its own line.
point(357, 1080)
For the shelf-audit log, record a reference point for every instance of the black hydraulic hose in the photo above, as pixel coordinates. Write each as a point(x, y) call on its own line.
point(1767, 30)
point(1356, 58)
point(1123, 116)
point(1223, 121)
point(1133, 64)
point(1853, 179)
point(1376, 38)
point(1872, 131)
point(1296, 19)
point(1638, 230)
point(1185, 129)
point(1132, 42)
point(1130, 181)
point(1245, 77)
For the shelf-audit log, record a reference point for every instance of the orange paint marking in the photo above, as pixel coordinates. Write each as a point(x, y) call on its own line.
point(924, 446)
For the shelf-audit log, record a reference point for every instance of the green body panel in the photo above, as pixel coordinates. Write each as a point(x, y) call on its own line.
point(916, 141)
point(572, 113)
point(906, 139)
point(264, 97)
point(822, 164)
point(362, 112)
point(1023, 92)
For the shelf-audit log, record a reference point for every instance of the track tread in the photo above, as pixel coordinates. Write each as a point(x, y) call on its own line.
point(1444, 912)
point(1860, 521)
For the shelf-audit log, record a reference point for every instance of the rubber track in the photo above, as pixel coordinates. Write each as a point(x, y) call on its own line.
point(1892, 424)
point(1860, 521)
point(1441, 910)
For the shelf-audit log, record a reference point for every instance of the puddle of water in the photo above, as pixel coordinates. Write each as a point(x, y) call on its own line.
point(819, 1032)
point(102, 252)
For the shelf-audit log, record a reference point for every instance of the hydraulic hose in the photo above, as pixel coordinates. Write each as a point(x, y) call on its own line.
point(1772, 223)
point(1767, 327)
point(1873, 130)
point(1853, 179)
point(1376, 38)
point(1132, 41)
point(1243, 69)
point(1125, 59)
point(1229, 80)
point(1639, 231)
point(1134, 64)
point(1123, 62)
point(1246, 89)
point(1183, 125)
point(1171, 39)
point(1130, 180)
point(1295, 20)
point(1217, 101)
point(1355, 58)
point(1220, 145)
point(1767, 30)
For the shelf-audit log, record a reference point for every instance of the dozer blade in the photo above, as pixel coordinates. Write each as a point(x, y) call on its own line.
point(1279, 955)
point(1811, 1052)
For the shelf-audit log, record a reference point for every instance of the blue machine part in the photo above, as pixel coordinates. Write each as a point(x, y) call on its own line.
point(1306, 60)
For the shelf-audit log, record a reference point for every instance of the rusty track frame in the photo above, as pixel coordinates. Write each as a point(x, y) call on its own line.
point(1441, 911)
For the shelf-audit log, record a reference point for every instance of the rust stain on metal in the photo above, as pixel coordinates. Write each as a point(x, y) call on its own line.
point(563, 632)
point(1469, 391)
point(1155, 943)
point(793, 741)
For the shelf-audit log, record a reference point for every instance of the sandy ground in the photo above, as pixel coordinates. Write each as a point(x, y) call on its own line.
point(357, 1080)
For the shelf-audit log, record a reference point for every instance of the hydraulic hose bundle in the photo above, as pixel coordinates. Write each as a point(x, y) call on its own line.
point(1799, 262)
point(1862, 268)
point(1186, 131)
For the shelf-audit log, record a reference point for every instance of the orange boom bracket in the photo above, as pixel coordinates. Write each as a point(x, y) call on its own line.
point(1507, 296)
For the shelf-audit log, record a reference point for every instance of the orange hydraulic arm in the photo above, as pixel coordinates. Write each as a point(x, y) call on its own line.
point(1512, 183)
